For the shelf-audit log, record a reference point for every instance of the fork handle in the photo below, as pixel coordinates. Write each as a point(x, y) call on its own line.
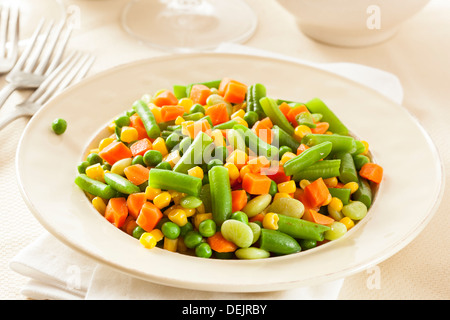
point(11, 116)
point(6, 92)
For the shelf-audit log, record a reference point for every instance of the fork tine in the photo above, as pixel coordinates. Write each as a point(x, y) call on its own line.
point(23, 58)
point(4, 18)
point(31, 62)
point(15, 35)
point(50, 48)
point(59, 53)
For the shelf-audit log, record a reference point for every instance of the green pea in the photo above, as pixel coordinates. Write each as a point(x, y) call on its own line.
point(240, 216)
point(190, 202)
point(186, 228)
point(106, 166)
point(203, 250)
point(213, 163)
point(170, 230)
point(82, 167)
point(138, 160)
point(307, 244)
point(207, 228)
point(192, 239)
point(283, 150)
point(59, 126)
point(355, 210)
point(251, 117)
point(122, 121)
point(94, 158)
point(273, 188)
point(137, 232)
point(164, 165)
point(337, 230)
point(197, 108)
point(152, 158)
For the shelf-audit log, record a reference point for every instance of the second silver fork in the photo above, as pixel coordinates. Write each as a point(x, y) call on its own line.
point(69, 72)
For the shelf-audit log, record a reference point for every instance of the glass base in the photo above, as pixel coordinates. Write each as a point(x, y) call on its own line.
point(189, 25)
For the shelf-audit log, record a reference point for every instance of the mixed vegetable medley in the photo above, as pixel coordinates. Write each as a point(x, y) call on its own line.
point(220, 169)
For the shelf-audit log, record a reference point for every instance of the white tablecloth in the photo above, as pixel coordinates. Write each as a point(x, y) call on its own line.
point(417, 55)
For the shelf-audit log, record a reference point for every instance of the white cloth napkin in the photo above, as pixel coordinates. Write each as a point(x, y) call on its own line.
point(57, 272)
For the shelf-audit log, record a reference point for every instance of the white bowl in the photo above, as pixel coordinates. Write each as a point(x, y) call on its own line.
point(352, 23)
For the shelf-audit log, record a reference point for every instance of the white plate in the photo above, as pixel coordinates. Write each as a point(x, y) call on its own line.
point(406, 200)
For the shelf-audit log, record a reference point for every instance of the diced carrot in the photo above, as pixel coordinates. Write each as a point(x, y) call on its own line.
point(136, 122)
point(317, 217)
point(316, 193)
point(171, 112)
point(156, 112)
point(137, 173)
point(292, 114)
point(278, 176)
point(135, 201)
point(116, 211)
point(302, 147)
point(114, 152)
point(219, 244)
point(198, 126)
point(199, 93)
point(256, 164)
point(140, 147)
point(258, 217)
point(321, 128)
point(238, 200)
point(235, 92)
point(149, 216)
point(218, 113)
point(372, 171)
point(262, 128)
point(267, 122)
point(165, 98)
point(284, 108)
point(223, 84)
point(130, 224)
point(255, 183)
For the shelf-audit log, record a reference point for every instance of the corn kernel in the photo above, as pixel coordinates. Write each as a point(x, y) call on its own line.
point(105, 142)
point(148, 240)
point(178, 216)
point(179, 120)
point(238, 157)
point(99, 205)
point(172, 158)
point(328, 200)
point(196, 172)
point(156, 112)
point(112, 127)
point(233, 171)
point(329, 133)
point(184, 126)
point(217, 137)
point(160, 145)
point(366, 147)
point(162, 200)
point(286, 157)
point(157, 234)
point(181, 247)
point(199, 217)
point(241, 121)
point(189, 211)
point(176, 196)
point(279, 195)
point(128, 134)
point(96, 150)
point(186, 103)
point(303, 183)
point(151, 193)
point(95, 172)
point(287, 187)
point(353, 186)
point(244, 170)
point(331, 182)
point(335, 204)
point(238, 113)
point(349, 223)
point(270, 221)
point(301, 131)
point(200, 209)
point(170, 244)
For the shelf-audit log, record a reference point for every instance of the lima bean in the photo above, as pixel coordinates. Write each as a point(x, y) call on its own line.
point(257, 205)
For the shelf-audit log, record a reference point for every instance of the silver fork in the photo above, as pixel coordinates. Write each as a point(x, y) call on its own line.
point(69, 72)
point(35, 63)
point(9, 30)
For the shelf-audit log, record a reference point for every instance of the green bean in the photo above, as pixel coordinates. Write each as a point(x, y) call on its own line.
point(220, 189)
point(360, 160)
point(193, 116)
point(282, 138)
point(254, 94)
point(253, 142)
point(358, 147)
point(95, 187)
point(209, 84)
point(184, 145)
point(171, 180)
point(340, 143)
point(318, 106)
point(364, 192)
point(221, 153)
point(251, 117)
point(235, 140)
point(226, 125)
point(179, 91)
point(271, 109)
point(321, 169)
point(341, 193)
point(301, 229)
point(278, 242)
point(347, 170)
point(307, 244)
point(307, 158)
point(197, 108)
point(148, 119)
point(120, 183)
point(194, 154)
point(205, 196)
